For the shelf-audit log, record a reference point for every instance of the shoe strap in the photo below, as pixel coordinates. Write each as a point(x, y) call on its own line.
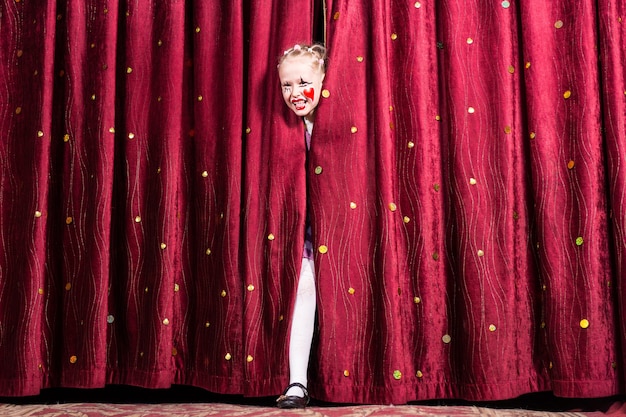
point(299, 385)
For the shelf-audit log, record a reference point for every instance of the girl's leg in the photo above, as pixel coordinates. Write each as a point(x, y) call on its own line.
point(302, 327)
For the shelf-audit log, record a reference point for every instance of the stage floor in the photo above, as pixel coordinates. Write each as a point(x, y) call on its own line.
point(185, 401)
point(235, 410)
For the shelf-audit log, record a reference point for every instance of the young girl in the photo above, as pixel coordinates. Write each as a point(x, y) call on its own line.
point(301, 71)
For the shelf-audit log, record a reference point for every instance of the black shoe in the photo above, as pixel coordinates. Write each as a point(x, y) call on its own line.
point(293, 401)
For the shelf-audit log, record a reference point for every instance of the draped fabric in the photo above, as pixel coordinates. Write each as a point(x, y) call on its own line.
point(464, 184)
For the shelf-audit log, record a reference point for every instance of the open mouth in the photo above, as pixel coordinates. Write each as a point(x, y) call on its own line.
point(299, 103)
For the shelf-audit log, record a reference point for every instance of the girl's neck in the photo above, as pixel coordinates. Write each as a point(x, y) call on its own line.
point(308, 123)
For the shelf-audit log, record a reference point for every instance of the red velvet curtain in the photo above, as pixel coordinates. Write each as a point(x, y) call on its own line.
point(464, 186)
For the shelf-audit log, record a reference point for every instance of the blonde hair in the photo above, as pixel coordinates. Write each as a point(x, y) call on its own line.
point(316, 52)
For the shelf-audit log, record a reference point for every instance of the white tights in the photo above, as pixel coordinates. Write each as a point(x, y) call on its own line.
point(302, 327)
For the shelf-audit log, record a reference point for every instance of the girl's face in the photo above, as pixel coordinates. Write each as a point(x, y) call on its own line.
point(301, 84)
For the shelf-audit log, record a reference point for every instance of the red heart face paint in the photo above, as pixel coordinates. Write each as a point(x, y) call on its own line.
point(309, 93)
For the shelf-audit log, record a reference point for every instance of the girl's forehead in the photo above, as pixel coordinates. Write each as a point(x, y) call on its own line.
point(297, 66)
point(297, 61)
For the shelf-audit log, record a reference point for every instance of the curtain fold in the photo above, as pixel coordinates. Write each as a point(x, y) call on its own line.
point(213, 166)
point(24, 187)
point(612, 79)
point(464, 186)
point(570, 195)
point(274, 198)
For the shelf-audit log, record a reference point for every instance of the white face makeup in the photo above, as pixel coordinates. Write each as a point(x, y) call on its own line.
point(301, 85)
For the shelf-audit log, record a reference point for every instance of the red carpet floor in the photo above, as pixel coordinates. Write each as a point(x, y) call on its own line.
point(182, 401)
point(232, 410)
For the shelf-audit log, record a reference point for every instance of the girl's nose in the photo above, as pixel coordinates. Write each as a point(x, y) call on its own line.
point(295, 92)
